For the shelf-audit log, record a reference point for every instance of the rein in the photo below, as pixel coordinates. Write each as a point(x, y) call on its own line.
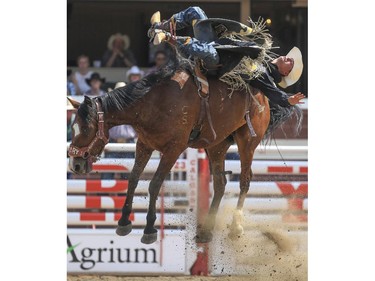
point(86, 152)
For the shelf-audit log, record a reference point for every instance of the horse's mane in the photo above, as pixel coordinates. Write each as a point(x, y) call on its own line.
point(279, 115)
point(123, 97)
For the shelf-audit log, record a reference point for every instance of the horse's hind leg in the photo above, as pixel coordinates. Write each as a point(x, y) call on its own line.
point(216, 156)
point(142, 155)
point(246, 148)
point(167, 161)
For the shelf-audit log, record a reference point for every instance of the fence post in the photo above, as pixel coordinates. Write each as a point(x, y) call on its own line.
point(200, 267)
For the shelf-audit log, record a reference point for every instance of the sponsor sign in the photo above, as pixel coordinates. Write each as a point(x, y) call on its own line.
point(101, 250)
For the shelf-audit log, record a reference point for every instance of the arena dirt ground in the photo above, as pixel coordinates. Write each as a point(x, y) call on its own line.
point(168, 278)
point(274, 255)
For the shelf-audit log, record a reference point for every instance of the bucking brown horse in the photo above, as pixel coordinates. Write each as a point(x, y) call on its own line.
point(164, 112)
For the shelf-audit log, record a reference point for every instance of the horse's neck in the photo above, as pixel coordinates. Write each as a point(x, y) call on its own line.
point(127, 116)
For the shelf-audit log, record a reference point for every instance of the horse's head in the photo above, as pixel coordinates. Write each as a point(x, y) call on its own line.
point(89, 135)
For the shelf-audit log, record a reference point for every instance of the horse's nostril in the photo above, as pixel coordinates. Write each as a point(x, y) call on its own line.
point(77, 167)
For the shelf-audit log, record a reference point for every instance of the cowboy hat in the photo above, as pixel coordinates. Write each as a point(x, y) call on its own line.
point(118, 85)
point(296, 72)
point(123, 37)
point(134, 70)
point(94, 76)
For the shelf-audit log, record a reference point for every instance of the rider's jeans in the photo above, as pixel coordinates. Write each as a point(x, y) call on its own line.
point(204, 51)
point(194, 47)
point(185, 17)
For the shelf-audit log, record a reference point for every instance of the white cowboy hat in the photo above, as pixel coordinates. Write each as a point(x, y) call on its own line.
point(296, 72)
point(134, 70)
point(118, 85)
point(124, 38)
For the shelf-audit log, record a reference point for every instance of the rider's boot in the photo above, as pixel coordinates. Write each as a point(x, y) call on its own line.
point(157, 25)
point(164, 25)
point(169, 25)
point(164, 36)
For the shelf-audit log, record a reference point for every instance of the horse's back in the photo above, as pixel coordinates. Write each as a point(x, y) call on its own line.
point(173, 108)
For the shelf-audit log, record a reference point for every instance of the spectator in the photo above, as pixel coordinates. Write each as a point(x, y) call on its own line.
point(122, 134)
point(95, 83)
point(134, 74)
point(118, 53)
point(71, 88)
point(160, 60)
point(83, 73)
point(153, 49)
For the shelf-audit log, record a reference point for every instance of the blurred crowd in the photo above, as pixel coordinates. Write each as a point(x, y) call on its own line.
point(84, 81)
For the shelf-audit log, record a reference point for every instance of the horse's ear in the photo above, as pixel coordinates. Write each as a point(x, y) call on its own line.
point(74, 103)
point(87, 100)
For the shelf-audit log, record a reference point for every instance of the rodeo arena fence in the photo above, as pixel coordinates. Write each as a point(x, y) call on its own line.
point(277, 196)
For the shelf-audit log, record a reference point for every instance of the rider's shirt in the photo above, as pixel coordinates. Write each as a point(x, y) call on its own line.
point(266, 83)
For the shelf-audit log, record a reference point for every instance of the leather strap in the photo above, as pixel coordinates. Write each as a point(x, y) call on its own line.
point(203, 93)
point(86, 152)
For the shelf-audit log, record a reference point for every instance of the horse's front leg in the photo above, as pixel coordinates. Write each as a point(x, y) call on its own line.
point(216, 156)
point(142, 156)
point(167, 161)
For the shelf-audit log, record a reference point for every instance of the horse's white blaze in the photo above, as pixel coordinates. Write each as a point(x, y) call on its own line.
point(76, 130)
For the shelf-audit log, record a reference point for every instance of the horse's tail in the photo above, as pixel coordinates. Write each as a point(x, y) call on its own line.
point(279, 115)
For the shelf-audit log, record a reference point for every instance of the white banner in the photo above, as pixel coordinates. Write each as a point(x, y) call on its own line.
point(101, 250)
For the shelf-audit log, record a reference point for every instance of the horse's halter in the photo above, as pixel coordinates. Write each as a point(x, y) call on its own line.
point(86, 152)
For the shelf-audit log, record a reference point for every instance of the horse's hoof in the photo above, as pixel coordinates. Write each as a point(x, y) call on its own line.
point(236, 232)
point(124, 230)
point(204, 237)
point(149, 238)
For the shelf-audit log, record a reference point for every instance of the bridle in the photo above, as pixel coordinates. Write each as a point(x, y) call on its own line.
point(86, 152)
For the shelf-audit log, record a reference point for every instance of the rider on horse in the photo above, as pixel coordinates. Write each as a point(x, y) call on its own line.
point(210, 36)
